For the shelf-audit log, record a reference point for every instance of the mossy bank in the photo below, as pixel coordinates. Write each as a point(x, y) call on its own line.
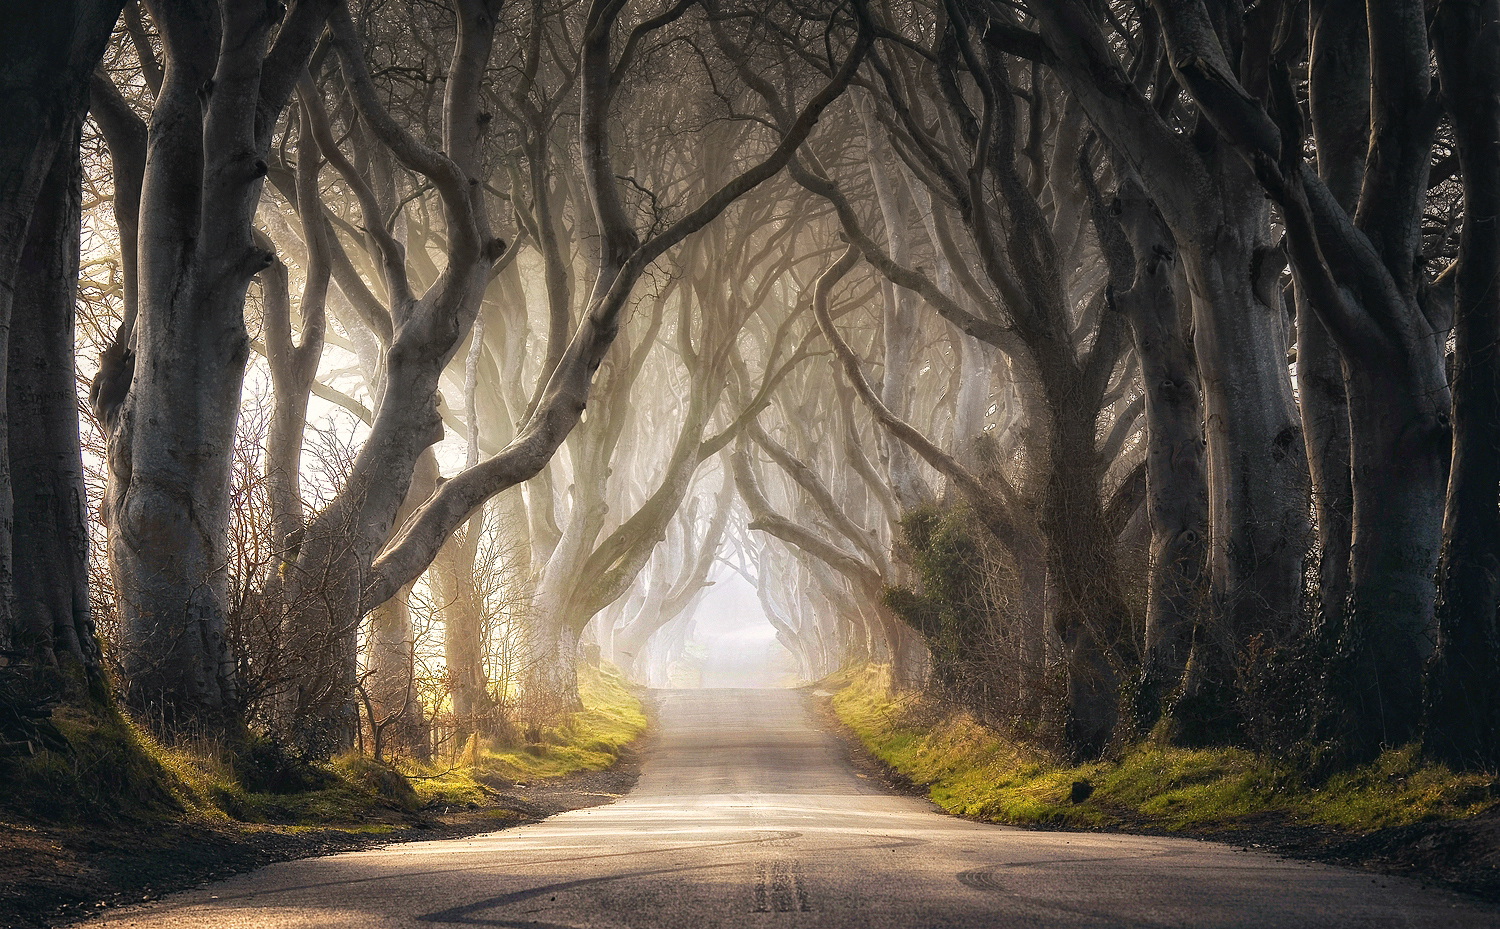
point(119, 816)
point(1397, 814)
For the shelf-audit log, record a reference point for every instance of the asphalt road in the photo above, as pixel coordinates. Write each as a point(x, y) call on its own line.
point(747, 815)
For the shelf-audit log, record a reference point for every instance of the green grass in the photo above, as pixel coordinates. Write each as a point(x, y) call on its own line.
point(590, 740)
point(587, 741)
point(117, 772)
point(113, 772)
point(971, 770)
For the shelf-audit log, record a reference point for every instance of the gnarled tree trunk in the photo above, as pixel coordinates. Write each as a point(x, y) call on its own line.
point(53, 620)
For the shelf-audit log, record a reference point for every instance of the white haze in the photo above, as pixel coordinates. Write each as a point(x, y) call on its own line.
point(734, 642)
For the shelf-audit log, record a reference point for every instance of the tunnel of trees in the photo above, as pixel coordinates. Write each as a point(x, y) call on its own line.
point(1110, 369)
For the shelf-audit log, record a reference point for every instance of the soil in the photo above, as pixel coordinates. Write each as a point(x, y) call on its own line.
point(57, 875)
point(1461, 855)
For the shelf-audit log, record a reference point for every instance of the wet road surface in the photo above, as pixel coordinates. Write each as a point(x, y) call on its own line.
point(747, 815)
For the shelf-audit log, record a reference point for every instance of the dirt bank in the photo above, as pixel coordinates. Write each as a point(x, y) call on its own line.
point(55, 875)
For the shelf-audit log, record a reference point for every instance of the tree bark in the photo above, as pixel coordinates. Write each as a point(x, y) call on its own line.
point(1176, 480)
point(1362, 276)
point(1218, 216)
point(54, 624)
point(43, 89)
point(1339, 103)
point(464, 625)
point(1463, 710)
point(171, 446)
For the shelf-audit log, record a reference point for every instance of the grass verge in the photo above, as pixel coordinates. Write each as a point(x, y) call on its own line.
point(589, 740)
point(120, 818)
point(116, 773)
point(971, 770)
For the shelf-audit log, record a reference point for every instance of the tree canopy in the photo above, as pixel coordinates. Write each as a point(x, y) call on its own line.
point(1108, 368)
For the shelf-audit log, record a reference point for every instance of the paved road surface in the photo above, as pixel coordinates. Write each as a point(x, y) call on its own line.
point(746, 815)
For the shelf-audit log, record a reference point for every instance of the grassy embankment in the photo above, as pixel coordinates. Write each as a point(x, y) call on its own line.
point(971, 770)
point(117, 773)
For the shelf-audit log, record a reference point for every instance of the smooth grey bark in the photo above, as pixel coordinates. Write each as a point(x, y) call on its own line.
point(44, 82)
point(455, 584)
point(54, 624)
point(629, 640)
point(344, 538)
point(1463, 711)
point(1176, 472)
point(1363, 279)
point(389, 689)
point(464, 624)
point(125, 136)
point(1339, 106)
point(1219, 218)
point(1258, 473)
point(294, 363)
point(170, 445)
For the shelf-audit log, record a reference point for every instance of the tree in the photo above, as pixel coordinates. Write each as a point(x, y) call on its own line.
point(1463, 715)
point(1219, 219)
point(1064, 358)
point(171, 396)
point(1362, 277)
point(44, 604)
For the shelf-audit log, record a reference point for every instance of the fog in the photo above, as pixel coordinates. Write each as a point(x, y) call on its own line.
point(731, 643)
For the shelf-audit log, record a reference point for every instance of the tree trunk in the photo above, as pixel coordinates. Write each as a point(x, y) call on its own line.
point(171, 445)
point(1086, 611)
point(1463, 712)
point(1339, 103)
point(1364, 277)
point(1324, 404)
point(550, 688)
point(171, 451)
point(54, 624)
point(630, 641)
point(1399, 475)
point(1031, 638)
point(1218, 215)
point(391, 689)
point(1257, 469)
point(453, 585)
point(43, 90)
point(1177, 493)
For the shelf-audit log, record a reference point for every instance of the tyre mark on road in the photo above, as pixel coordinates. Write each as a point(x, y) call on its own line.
point(779, 888)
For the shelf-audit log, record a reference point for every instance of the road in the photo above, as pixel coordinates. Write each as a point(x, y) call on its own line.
point(747, 815)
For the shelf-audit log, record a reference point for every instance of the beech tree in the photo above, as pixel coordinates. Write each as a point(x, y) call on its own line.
point(45, 616)
point(1463, 713)
point(1218, 217)
point(1362, 277)
point(1066, 356)
point(1162, 342)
